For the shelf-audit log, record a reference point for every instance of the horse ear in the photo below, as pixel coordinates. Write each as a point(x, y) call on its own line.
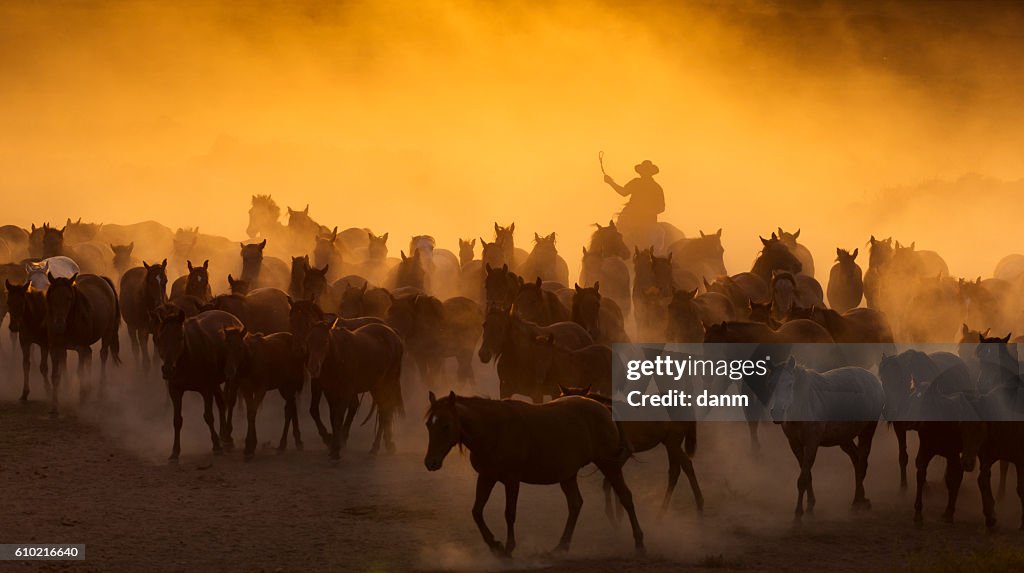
point(718, 233)
point(131, 246)
point(691, 293)
point(290, 211)
point(584, 251)
point(433, 398)
point(780, 231)
point(597, 286)
point(384, 237)
point(487, 267)
point(74, 278)
point(323, 271)
point(707, 285)
point(611, 223)
point(451, 396)
point(636, 251)
point(364, 287)
point(68, 223)
point(241, 244)
point(189, 263)
point(404, 258)
point(164, 263)
point(145, 265)
point(306, 210)
point(1004, 339)
point(536, 236)
point(839, 252)
point(496, 228)
point(702, 235)
point(263, 244)
point(206, 264)
point(504, 268)
point(964, 331)
point(231, 280)
point(764, 241)
point(775, 237)
point(512, 227)
point(577, 285)
point(563, 390)
point(796, 235)
point(538, 282)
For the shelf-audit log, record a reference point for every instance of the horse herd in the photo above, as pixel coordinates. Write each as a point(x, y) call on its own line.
point(301, 303)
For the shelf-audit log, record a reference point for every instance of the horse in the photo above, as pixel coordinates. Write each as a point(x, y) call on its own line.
point(80, 311)
point(196, 283)
point(789, 290)
point(16, 274)
point(256, 364)
point(990, 439)
point(297, 276)
point(471, 272)
point(599, 315)
point(17, 240)
point(679, 439)
point(59, 266)
point(238, 286)
point(879, 255)
point(440, 265)
point(845, 282)
point(142, 289)
point(263, 271)
point(611, 270)
point(433, 330)
point(510, 340)
point(315, 288)
point(832, 408)
point(799, 251)
point(194, 353)
point(775, 256)
point(607, 241)
point(933, 313)
point(535, 304)
point(911, 373)
point(512, 442)
point(28, 321)
point(53, 242)
point(653, 285)
point(123, 259)
point(558, 367)
point(409, 273)
point(742, 289)
point(352, 362)
point(500, 286)
point(264, 215)
point(688, 312)
point(263, 310)
point(545, 262)
point(329, 252)
point(701, 256)
point(504, 238)
point(364, 301)
point(303, 230)
point(1010, 268)
point(375, 263)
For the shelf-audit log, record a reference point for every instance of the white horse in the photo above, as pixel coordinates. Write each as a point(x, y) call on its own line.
point(57, 266)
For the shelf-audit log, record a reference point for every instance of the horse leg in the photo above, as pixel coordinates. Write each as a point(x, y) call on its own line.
point(924, 456)
point(226, 400)
point(675, 453)
point(1020, 492)
point(289, 402)
point(133, 339)
point(901, 440)
point(176, 394)
point(805, 483)
point(691, 475)
point(511, 500)
point(84, 369)
point(985, 486)
point(314, 411)
point(464, 359)
point(611, 510)
point(104, 353)
point(954, 477)
point(864, 440)
point(351, 407)
point(1004, 467)
point(295, 422)
point(58, 360)
point(850, 449)
point(614, 475)
point(387, 417)
point(26, 366)
point(484, 486)
point(337, 422)
point(144, 349)
point(252, 406)
point(571, 489)
point(208, 399)
point(755, 444)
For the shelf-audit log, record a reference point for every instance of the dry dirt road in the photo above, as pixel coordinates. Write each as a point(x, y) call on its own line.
point(97, 475)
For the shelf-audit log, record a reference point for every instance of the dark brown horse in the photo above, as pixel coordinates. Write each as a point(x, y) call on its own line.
point(702, 256)
point(81, 311)
point(194, 353)
point(612, 272)
point(679, 439)
point(28, 320)
point(143, 289)
point(257, 364)
point(123, 259)
point(316, 289)
point(353, 362)
point(500, 286)
point(409, 273)
point(845, 282)
point(879, 254)
point(789, 290)
point(991, 440)
point(433, 331)
point(329, 251)
point(511, 340)
point(599, 315)
point(514, 442)
point(536, 304)
point(802, 253)
point(653, 285)
point(364, 300)
point(196, 283)
point(689, 312)
point(774, 256)
point(261, 271)
point(299, 268)
point(742, 289)
point(238, 286)
point(264, 310)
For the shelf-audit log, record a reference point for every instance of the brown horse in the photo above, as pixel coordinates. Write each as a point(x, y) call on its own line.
point(599, 315)
point(81, 311)
point(702, 256)
point(789, 290)
point(364, 300)
point(352, 362)
point(143, 289)
point(316, 289)
point(679, 439)
point(845, 282)
point(28, 320)
point(433, 331)
point(689, 312)
point(504, 238)
point(196, 283)
point(194, 353)
point(409, 273)
point(799, 251)
point(511, 340)
point(514, 442)
point(238, 286)
point(264, 310)
point(991, 440)
point(839, 407)
point(545, 262)
point(297, 276)
point(123, 259)
point(329, 251)
point(256, 364)
point(500, 286)
point(536, 304)
point(774, 256)
point(742, 289)
point(263, 271)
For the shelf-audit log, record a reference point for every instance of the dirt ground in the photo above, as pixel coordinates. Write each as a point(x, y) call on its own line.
point(98, 475)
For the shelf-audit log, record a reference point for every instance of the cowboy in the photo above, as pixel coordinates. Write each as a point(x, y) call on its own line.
point(646, 200)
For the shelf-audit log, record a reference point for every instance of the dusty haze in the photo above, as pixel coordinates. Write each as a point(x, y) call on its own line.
point(844, 120)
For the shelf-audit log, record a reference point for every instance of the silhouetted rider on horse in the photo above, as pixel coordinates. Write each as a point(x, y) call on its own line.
point(638, 220)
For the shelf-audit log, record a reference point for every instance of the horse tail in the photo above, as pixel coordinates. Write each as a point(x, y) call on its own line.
point(373, 408)
point(115, 342)
point(690, 439)
point(625, 447)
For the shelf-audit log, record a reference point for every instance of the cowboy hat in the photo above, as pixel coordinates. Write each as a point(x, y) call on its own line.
point(646, 168)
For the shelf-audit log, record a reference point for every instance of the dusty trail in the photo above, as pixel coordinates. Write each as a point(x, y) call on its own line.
point(98, 475)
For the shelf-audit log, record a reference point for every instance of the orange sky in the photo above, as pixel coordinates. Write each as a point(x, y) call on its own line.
point(442, 117)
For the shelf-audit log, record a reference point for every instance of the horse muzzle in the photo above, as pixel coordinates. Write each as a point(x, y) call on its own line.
point(433, 463)
point(485, 355)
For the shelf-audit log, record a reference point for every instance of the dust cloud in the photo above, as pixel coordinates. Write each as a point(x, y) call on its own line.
point(835, 117)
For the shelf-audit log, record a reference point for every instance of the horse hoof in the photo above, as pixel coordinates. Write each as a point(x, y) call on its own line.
point(990, 522)
point(172, 459)
point(298, 446)
point(862, 505)
point(24, 397)
point(218, 451)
